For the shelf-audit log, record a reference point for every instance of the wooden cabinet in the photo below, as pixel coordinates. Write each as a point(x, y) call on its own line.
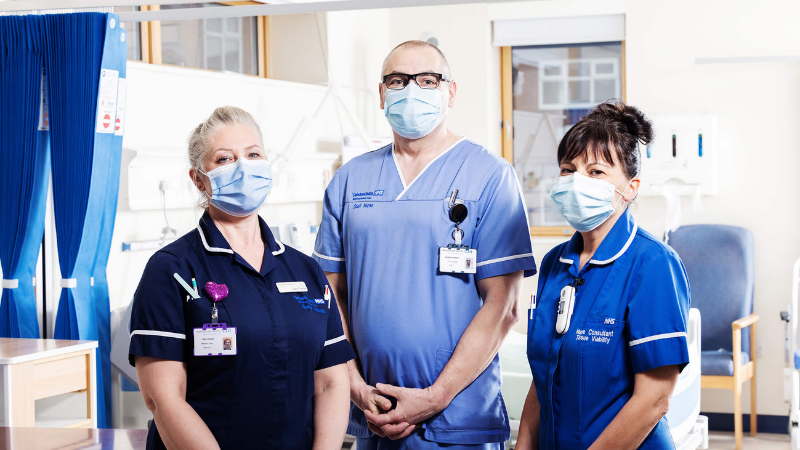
point(34, 369)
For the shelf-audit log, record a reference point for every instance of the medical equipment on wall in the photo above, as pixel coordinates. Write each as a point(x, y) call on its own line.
point(287, 233)
point(791, 376)
point(681, 161)
point(689, 429)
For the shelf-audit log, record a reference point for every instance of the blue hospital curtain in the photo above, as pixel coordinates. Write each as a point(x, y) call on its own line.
point(24, 170)
point(100, 285)
point(82, 63)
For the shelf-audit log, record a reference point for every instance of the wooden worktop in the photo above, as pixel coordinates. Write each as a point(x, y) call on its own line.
point(71, 438)
point(14, 351)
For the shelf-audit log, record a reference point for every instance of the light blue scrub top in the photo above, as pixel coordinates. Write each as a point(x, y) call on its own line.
point(630, 316)
point(405, 317)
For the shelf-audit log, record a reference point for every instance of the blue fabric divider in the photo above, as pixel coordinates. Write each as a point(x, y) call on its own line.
point(82, 60)
point(24, 171)
point(100, 288)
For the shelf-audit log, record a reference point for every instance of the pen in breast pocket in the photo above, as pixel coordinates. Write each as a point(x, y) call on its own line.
point(533, 304)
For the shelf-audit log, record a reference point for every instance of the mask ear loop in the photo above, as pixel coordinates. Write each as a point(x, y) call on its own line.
point(622, 194)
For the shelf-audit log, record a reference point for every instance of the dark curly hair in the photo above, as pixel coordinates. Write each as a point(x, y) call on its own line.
point(610, 126)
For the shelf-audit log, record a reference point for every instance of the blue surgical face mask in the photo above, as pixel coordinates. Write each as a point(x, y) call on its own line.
point(585, 202)
point(239, 189)
point(413, 112)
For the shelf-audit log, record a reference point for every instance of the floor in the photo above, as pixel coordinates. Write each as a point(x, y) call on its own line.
point(724, 441)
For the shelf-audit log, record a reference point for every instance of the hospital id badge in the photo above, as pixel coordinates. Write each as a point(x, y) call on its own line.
point(215, 339)
point(457, 259)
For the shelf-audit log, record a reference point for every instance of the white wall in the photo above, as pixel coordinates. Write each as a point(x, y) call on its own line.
point(758, 109)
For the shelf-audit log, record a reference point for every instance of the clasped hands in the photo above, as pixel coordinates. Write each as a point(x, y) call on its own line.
point(413, 407)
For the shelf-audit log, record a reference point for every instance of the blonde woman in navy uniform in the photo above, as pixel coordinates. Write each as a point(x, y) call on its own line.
point(279, 380)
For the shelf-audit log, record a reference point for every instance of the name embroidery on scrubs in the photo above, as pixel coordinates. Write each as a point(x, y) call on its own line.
point(598, 336)
point(368, 195)
point(365, 205)
point(308, 303)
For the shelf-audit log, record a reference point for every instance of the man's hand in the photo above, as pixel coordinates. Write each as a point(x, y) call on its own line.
point(368, 399)
point(413, 407)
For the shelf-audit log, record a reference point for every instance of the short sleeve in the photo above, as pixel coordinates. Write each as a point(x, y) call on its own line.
point(337, 349)
point(158, 326)
point(502, 237)
point(328, 250)
point(657, 314)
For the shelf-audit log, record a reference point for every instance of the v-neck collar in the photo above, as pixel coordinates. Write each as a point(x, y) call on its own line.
point(400, 172)
point(613, 246)
point(214, 242)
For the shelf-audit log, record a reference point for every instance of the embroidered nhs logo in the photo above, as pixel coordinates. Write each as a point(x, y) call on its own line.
point(609, 321)
point(368, 195)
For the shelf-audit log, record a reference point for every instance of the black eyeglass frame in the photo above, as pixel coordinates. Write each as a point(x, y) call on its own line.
point(414, 77)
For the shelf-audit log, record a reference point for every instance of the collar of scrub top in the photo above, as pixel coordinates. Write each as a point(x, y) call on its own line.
point(613, 246)
point(215, 243)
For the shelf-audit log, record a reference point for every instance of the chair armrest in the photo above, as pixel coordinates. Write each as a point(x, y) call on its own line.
point(745, 321)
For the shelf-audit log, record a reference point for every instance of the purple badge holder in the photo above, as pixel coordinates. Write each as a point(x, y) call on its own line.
point(216, 326)
point(217, 293)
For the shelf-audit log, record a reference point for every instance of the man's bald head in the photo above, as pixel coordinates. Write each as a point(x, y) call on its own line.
point(410, 45)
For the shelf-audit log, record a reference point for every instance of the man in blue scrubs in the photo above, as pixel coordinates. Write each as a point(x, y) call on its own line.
point(426, 320)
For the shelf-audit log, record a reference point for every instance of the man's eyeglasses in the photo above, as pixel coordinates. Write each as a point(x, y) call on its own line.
point(427, 80)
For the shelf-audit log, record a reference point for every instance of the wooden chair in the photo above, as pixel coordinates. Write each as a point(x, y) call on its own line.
point(719, 264)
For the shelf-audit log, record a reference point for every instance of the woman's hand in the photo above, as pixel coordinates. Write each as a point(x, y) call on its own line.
point(367, 398)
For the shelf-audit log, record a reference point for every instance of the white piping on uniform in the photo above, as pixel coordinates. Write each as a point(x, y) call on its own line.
point(507, 258)
point(212, 249)
point(565, 260)
point(657, 337)
point(397, 166)
point(627, 244)
point(335, 340)
point(280, 250)
point(329, 258)
point(159, 333)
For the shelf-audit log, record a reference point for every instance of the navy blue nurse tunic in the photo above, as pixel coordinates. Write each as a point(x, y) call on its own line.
point(630, 316)
point(262, 396)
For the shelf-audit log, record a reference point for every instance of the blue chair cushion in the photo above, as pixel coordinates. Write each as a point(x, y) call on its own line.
point(797, 359)
point(720, 362)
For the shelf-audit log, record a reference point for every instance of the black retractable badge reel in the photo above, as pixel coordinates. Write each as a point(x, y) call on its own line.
point(457, 257)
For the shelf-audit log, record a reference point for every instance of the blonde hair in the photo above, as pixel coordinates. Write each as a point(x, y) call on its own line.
point(200, 138)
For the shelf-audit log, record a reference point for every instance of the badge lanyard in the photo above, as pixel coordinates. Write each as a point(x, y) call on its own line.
point(457, 257)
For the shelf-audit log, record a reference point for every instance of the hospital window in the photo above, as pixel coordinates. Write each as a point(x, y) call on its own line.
point(546, 90)
point(214, 44)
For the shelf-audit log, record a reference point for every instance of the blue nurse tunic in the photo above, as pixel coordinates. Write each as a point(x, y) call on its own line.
point(262, 396)
point(405, 316)
point(630, 316)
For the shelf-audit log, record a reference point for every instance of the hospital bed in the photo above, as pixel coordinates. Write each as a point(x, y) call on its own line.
point(689, 429)
point(791, 377)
